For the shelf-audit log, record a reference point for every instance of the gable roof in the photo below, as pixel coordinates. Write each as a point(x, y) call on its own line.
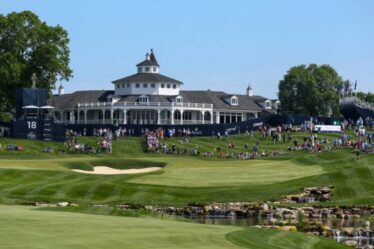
point(217, 98)
point(147, 78)
point(69, 101)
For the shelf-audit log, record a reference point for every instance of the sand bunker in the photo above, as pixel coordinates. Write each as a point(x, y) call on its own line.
point(104, 170)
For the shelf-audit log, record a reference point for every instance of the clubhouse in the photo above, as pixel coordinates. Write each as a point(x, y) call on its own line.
point(148, 98)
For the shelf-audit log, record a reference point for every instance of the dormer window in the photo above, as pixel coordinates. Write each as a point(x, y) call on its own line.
point(154, 69)
point(139, 69)
point(179, 99)
point(234, 100)
point(147, 69)
point(267, 104)
point(143, 99)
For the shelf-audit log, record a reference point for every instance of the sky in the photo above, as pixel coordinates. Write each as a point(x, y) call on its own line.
point(211, 44)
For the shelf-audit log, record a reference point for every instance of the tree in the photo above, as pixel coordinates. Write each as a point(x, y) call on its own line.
point(27, 46)
point(311, 90)
point(367, 97)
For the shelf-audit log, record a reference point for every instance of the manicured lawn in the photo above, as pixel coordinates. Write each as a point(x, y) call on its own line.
point(25, 227)
point(32, 175)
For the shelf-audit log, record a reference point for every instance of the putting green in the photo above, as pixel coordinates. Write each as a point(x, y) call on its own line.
point(25, 227)
point(202, 173)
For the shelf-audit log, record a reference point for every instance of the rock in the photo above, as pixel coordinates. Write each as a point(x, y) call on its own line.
point(264, 207)
point(288, 228)
point(63, 204)
point(368, 247)
point(352, 243)
point(348, 231)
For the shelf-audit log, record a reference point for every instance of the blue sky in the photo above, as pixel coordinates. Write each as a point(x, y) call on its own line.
point(218, 45)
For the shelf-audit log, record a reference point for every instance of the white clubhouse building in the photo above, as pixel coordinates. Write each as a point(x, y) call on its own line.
point(149, 98)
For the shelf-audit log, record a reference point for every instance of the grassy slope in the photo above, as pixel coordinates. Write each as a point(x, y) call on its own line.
point(186, 178)
point(23, 227)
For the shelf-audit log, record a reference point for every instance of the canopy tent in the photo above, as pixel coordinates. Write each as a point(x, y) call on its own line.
point(30, 107)
point(47, 107)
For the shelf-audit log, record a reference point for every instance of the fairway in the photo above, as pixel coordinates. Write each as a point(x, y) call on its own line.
point(202, 173)
point(25, 227)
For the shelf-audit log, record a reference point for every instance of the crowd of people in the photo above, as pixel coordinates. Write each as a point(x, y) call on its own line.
point(103, 143)
point(313, 142)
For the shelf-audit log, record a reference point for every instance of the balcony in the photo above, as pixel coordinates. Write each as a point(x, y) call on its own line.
point(146, 104)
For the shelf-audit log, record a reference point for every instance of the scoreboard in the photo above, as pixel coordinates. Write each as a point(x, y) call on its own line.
point(37, 128)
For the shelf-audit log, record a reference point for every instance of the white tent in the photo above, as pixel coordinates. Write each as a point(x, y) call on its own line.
point(46, 107)
point(30, 107)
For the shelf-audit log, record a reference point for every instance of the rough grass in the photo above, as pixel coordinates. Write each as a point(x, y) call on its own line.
point(24, 227)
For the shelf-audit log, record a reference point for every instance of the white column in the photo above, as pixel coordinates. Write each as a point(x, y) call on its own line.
point(124, 116)
point(111, 116)
point(71, 117)
point(103, 112)
point(211, 118)
point(172, 116)
point(217, 117)
point(158, 117)
point(181, 111)
point(202, 117)
point(85, 116)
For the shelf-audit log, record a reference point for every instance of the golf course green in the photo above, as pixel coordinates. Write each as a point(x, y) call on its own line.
point(32, 175)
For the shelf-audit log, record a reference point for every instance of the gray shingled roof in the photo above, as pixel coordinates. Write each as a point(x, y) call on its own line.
point(147, 78)
point(147, 63)
point(69, 101)
point(217, 98)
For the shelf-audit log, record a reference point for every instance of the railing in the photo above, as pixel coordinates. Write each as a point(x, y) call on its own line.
point(355, 100)
point(171, 104)
point(187, 122)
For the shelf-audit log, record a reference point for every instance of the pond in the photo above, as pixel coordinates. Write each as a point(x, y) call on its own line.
point(338, 226)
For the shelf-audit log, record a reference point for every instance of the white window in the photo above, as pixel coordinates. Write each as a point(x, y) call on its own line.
point(139, 69)
point(154, 69)
point(234, 100)
point(168, 85)
point(145, 85)
point(137, 85)
point(128, 85)
point(153, 85)
point(174, 86)
point(267, 104)
point(179, 99)
point(143, 99)
point(118, 85)
point(147, 69)
point(162, 85)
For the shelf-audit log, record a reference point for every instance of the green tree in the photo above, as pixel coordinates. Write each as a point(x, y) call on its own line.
point(367, 97)
point(27, 46)
point(311, 90)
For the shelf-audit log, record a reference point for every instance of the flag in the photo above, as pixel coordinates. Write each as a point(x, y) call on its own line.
point(355, 85)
